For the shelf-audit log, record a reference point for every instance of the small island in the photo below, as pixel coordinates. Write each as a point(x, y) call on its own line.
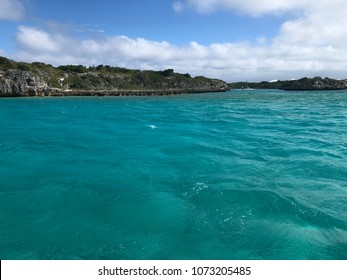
point(20, 79)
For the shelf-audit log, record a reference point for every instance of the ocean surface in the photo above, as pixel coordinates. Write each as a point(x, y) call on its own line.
point(238, 175)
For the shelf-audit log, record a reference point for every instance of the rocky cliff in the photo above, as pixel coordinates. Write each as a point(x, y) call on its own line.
point(39, 79)
point(24, 83)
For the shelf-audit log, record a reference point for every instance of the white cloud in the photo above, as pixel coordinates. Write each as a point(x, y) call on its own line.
point(257, 8)
point(36, 40)
point(324, 28)
point(261, 40)
point(11, 10)
point(178, 6)
point(36, 44)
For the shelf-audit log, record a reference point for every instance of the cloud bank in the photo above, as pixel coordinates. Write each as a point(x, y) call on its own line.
point(312, 43)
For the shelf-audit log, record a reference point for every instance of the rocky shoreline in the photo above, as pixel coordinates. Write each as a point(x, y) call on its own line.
point(57, 93)
point(19, 79)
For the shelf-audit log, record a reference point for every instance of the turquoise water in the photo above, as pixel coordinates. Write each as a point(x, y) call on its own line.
point(236, 175)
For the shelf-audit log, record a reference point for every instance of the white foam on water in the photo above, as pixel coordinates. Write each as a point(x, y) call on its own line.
point(151, 126)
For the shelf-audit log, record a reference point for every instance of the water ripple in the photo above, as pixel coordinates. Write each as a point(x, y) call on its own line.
point(237, 175)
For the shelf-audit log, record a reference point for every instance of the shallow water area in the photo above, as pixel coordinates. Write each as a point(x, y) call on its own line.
point(235, 175)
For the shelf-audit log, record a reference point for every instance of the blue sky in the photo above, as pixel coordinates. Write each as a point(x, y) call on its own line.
point(228, 39)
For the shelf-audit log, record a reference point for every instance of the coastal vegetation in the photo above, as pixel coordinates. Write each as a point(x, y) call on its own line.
point(37, 78)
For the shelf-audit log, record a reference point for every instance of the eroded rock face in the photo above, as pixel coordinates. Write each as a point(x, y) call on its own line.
point(22, 83)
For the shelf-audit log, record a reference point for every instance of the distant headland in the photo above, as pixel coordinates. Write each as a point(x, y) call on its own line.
point(316, 83)
point(20, 79)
